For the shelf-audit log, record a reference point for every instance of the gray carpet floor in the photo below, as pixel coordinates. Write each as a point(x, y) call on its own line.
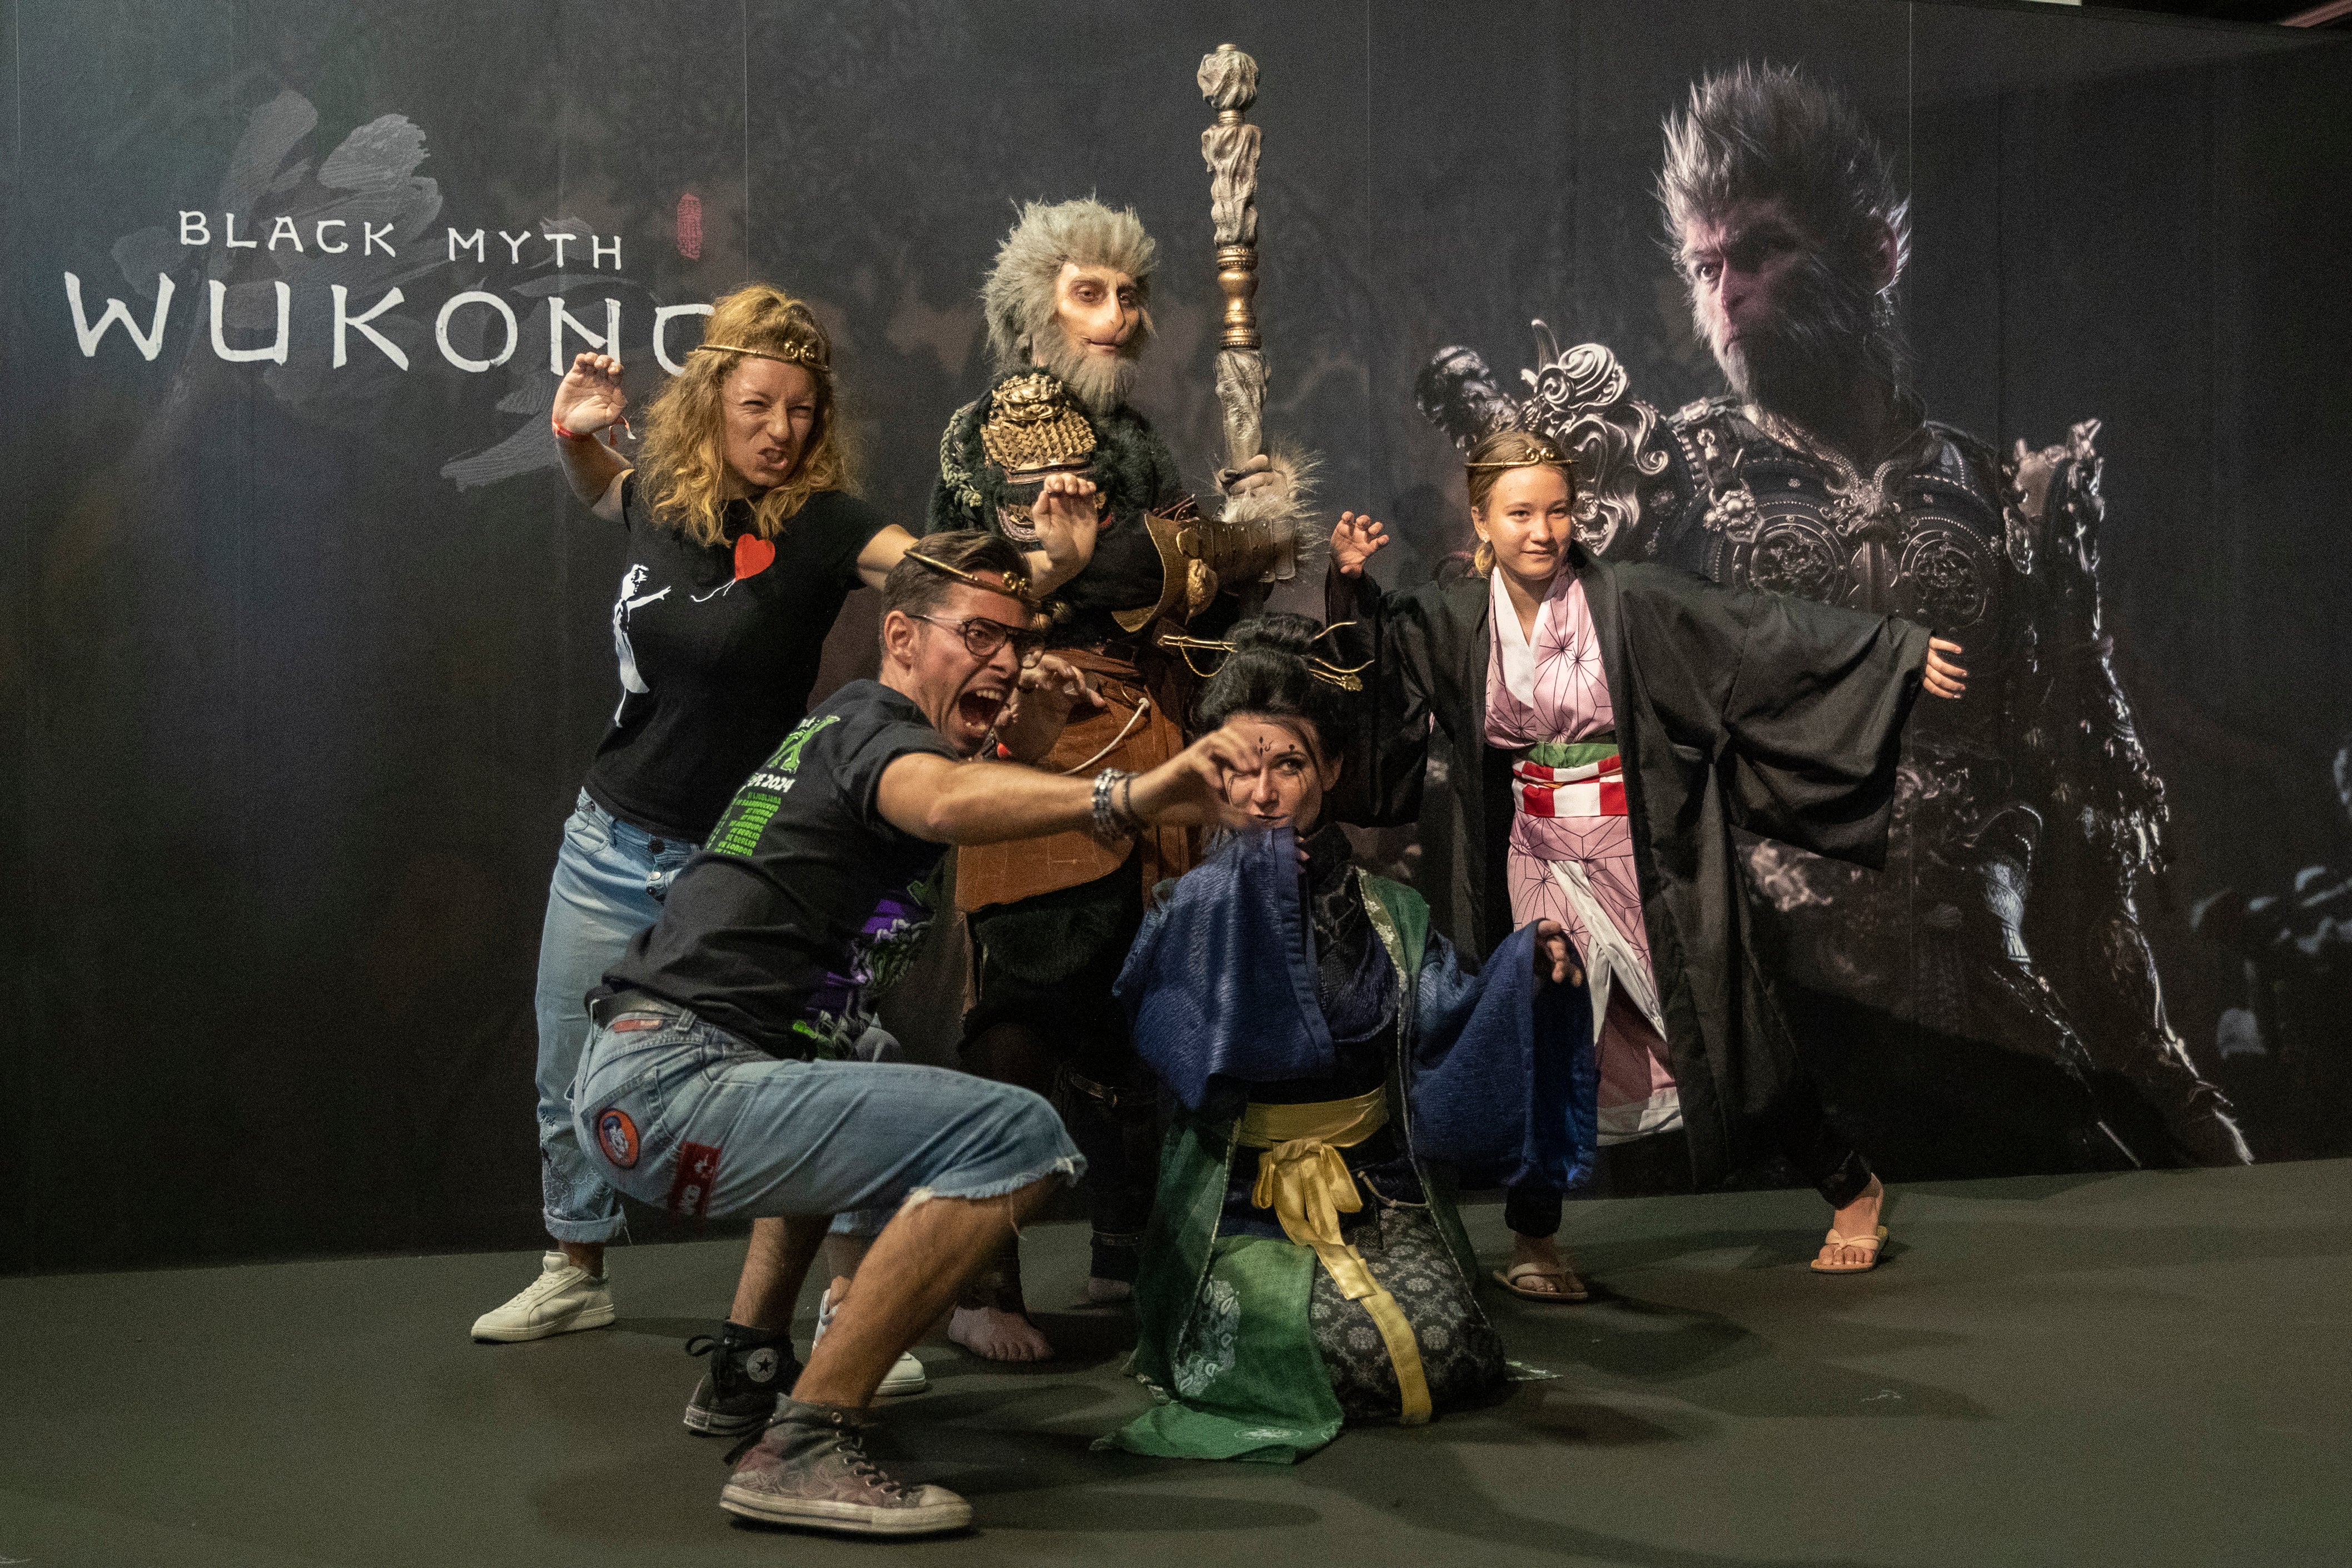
point(2148, 1369)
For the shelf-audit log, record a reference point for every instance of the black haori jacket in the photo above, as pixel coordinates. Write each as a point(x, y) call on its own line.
point(1756, 711)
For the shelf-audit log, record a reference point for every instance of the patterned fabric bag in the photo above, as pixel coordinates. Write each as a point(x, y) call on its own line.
point(1461, 1353)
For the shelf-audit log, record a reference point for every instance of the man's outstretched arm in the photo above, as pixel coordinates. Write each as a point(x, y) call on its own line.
point(980, 803)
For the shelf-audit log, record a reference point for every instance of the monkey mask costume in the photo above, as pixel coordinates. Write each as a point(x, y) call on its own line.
point(1051, 918)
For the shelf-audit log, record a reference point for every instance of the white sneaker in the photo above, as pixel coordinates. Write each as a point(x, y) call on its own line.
point(905, 1375)
point(562, 1299)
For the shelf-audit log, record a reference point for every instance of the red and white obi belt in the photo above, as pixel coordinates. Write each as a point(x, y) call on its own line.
point(1587, 789)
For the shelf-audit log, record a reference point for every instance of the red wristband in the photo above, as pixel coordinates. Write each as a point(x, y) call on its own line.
point(563, 434)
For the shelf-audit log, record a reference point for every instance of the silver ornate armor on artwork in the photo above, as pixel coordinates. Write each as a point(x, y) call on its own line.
point(2026, 807)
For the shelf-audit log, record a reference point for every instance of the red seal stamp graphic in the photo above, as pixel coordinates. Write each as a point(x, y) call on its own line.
point(698, 1168)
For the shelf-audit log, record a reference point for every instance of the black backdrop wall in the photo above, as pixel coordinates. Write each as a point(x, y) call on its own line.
point(307, 651)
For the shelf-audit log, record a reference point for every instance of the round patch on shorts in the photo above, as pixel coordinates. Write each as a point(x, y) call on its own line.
point(619, 1136)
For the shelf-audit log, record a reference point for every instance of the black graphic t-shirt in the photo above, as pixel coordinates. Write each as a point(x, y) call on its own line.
point(717, 647)
point(806, 902)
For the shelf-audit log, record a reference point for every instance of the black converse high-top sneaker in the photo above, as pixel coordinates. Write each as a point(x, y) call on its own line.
point(749, 1368)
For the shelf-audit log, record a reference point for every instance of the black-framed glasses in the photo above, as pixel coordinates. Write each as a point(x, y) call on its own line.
point(982, 637)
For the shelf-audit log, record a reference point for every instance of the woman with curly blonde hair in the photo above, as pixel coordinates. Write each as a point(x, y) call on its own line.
point(690, 469)
point(742, 540)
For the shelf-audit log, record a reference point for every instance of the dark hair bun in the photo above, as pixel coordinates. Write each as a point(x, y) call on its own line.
point(1278, 634)
point(1271, 671)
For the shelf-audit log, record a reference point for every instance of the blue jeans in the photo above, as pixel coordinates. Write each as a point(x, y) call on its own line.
point(610, 880)
point(680, 1112)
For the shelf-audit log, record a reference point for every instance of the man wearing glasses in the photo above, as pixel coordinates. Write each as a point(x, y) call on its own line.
point(712, 1082)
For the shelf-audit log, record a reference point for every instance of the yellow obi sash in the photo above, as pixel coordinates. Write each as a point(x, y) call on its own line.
point(1303, 1178)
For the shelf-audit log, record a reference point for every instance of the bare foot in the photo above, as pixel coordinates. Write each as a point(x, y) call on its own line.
point(1105, 1292)
point(995, 1334)
point(1859, 1217)
point(1559, 1276)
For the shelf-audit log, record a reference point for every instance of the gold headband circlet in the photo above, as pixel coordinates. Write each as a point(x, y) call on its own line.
point(1014, 584)
point(1347, 678)
point(790, 354)
point(1540, 454)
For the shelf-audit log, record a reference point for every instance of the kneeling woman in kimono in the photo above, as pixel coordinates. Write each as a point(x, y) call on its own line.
point(1305, 1265)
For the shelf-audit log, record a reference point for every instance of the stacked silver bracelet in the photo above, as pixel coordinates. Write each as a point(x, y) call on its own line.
point(1113, 819)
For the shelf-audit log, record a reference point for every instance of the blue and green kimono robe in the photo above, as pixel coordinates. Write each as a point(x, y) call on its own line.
point(1257, 1347)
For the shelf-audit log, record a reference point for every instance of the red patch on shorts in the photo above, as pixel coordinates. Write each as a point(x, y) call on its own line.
point(636, 1022)
point(698, 1169)
point(617, 1136)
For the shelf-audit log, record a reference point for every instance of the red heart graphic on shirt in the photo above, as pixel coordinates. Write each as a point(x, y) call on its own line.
point(752, 555)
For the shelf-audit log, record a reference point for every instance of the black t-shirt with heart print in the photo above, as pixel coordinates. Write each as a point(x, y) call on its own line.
point(719, 646)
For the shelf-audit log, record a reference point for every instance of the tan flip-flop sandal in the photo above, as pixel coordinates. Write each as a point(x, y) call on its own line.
point(1871, 1242)
point(1571, 1289)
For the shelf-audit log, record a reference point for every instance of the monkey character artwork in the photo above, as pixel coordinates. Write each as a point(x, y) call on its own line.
point(1068, 310)
point(1989, 1002)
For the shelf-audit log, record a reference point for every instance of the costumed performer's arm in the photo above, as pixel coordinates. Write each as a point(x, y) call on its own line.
point(1065, 543)
point(1503, 1075)
point(1381, 785)
point(1220, 982)
point(1808, 702)
point(1453, 988)
point(1065, 522)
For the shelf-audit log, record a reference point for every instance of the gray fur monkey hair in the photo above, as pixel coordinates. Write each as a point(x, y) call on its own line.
point(1018, 298)
point(1770, 131)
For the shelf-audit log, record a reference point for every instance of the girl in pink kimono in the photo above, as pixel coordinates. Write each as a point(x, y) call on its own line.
point(1511, 670)
point(1570, 859)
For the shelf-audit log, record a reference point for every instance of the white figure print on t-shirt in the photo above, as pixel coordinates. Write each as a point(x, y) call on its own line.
point(631, 681)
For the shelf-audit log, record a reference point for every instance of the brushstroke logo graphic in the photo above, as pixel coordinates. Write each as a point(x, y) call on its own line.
point(304, 266)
